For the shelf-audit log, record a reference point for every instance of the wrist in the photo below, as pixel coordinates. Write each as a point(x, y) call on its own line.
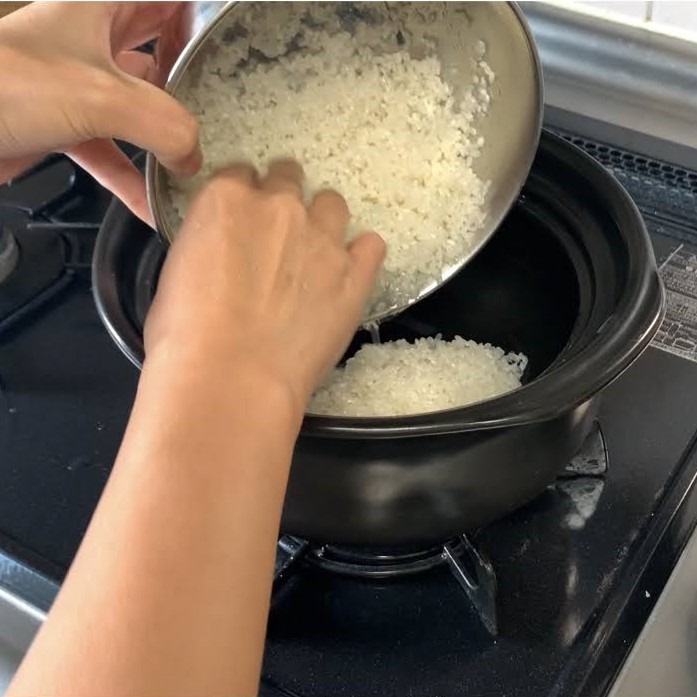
point(247, 391)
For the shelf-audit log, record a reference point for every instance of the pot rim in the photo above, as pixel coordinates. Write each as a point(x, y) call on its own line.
point(569, 382)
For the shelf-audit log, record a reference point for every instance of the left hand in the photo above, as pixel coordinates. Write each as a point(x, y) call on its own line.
point(71, 83)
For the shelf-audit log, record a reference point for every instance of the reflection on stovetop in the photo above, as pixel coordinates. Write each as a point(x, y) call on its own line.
point(576, 571)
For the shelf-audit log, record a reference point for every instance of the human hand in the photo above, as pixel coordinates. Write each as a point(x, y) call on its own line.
point(71, 83)
point(257, 283)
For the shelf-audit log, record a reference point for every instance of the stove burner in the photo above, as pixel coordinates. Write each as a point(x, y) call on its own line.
point(366, 564)
point(473, 572)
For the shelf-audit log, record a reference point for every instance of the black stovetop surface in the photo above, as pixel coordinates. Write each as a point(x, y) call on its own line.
point(578, 570)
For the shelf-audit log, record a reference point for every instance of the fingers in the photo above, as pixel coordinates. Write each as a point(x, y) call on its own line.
point(135, 23)
point(367, 252)
point(284, 176)
point(173, 38)
point(242, 172)
point(137, 64)
point(114, 171)
point(225, 194)
point(329, 213)
point(149, 118)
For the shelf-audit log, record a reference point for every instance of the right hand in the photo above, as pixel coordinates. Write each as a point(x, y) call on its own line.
point(257, 282)
point(71, 82)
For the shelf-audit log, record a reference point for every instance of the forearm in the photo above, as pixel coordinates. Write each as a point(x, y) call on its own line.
point(11, 163)
point(176, 568)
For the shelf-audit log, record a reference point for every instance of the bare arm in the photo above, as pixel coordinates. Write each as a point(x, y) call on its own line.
point(170, 590)
point(71, 82)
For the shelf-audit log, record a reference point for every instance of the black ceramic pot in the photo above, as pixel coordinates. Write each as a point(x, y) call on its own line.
point(569, 279)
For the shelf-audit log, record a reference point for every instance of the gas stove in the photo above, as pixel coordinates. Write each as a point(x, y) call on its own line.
point(547, 601)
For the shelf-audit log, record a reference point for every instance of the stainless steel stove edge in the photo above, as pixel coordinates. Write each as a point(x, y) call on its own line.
point(25, 597)
point(618, 73)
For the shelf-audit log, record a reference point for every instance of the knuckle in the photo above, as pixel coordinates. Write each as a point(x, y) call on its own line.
point(288, 205)
point(337, 261)
point(331, 198)
point(220, 193)
point(329, 209)
point(287, 167)
point(218, 187)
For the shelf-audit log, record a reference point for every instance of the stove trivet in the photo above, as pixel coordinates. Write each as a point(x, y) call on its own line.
point(473, 572)
point(40, 252)
point(9, 253)
point(38, 274)
point(46, 190)
point(583, 480)
point(592, 458)
point(289, 551)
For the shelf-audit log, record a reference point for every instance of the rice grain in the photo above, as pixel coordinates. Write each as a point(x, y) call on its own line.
point(400, 378)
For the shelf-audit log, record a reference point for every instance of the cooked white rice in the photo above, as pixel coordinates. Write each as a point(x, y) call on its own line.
point(381, 127)
point(399, 378)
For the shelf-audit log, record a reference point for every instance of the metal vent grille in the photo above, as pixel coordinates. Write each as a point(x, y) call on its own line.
point(657, 187)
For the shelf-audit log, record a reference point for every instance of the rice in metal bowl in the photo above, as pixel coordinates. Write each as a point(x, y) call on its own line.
point(366, 111)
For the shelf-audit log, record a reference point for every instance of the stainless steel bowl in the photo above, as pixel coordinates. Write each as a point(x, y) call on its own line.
point(511, 128)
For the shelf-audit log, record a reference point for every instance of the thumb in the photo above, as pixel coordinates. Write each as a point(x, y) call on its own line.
point(146, 116)
point(367, 252)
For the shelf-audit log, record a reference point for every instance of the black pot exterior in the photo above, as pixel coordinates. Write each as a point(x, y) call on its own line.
point(569, 279)
point(404, 494)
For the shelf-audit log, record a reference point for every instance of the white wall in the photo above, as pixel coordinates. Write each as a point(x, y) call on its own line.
point(665, 15)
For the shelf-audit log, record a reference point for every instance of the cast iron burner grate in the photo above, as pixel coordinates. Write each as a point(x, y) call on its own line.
point(581, 480)
point(41, 249)
point(470, 568)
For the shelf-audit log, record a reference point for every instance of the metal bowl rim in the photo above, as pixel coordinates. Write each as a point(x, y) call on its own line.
point(153, 167)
